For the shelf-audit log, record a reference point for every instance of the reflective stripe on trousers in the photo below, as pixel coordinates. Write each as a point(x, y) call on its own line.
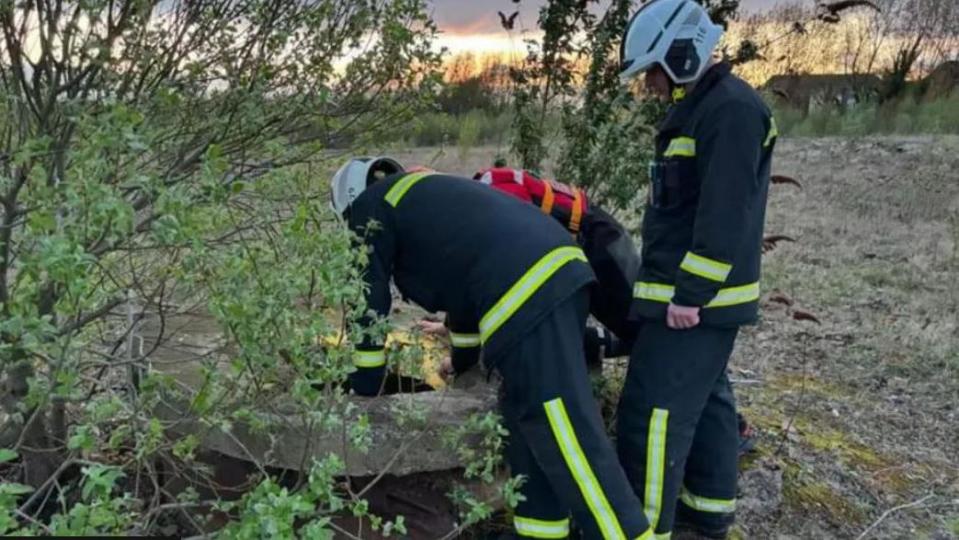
point(706, 504)
point(581, 471)
point(655, 465)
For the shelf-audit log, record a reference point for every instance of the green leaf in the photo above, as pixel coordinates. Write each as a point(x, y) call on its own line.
point(10, 488)
point(7, 455)
point(82, 439)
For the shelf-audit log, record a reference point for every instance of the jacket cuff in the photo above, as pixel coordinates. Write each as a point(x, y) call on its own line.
point(369, 358)
point(367, 381)
point(464, 355)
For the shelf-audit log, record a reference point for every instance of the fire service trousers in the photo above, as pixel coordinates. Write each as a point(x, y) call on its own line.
point(677, 432)
point(557, 439)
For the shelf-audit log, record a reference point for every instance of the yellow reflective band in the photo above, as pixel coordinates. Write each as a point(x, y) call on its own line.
point(369, 359)
point(655, 465)
point(681, 146)
point(773, 131)
point(537, 528)
point(464, 341)
point(520, 292)
point(400, 188)
point(582, 472)
point(663, 536)
point(734, 296)
point(679, 94)
point(705, 504)
point(710, 269)
point(656, 292)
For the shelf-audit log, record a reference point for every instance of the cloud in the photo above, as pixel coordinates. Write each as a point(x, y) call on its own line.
point(469, 17)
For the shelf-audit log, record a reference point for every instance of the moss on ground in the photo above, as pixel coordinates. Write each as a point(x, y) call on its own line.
point(805, 494)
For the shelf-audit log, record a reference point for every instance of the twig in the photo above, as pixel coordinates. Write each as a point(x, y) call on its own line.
point(36, 494)
point(172, 506)
point(799, 401)
point(32, 521)
point(343, 531)
point(403, 447)
point(459, 529)
point(891, 511)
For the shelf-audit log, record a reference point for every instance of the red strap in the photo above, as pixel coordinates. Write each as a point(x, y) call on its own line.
point(577, 215)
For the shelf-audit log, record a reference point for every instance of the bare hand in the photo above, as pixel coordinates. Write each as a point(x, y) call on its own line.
point(682, 317)
point(431, 327)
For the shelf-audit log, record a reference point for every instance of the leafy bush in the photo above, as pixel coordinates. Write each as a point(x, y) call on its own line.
point(475, 127)
point(904, 116)
point(161, 163)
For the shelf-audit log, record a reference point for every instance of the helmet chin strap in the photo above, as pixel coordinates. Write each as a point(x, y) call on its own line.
point(678, 93)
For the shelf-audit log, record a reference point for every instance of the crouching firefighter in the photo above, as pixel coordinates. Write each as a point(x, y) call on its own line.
point(523, 304)
point(607, 245)
point(699, 280)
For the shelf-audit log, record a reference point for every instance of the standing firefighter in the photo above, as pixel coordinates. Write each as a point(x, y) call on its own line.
point(699, 281)
point(523, 303)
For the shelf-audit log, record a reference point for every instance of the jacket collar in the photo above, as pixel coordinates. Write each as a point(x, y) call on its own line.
point(680, 112)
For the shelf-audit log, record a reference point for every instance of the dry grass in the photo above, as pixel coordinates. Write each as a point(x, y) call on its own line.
point(880, 377)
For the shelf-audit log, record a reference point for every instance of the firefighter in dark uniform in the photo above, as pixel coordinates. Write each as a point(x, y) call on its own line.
point(699, 280)
point(521, 300)
point(607, 245)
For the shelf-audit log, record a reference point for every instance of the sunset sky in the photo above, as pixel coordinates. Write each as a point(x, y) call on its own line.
point(473, 25)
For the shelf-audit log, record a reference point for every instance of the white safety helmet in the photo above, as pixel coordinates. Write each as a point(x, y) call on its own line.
point(356, 175)
point(675, 34)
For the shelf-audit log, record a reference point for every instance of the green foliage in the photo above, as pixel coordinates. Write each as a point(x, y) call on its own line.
point(477, 93)
point(99, 481)
point(468, 136)
point(162, 167)
point(103, 517)
point(9, 496)
point(904, 116)
point(479, 443)
point(440, 129)
point(608, 135)
point(953, 525)
point(275, 511)
point(546, 75)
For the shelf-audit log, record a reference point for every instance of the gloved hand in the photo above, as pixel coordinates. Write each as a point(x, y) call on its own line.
point(599, 343)
point(595, 341)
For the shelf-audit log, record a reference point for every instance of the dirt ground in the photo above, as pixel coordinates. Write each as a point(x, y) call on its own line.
point(858, 417)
